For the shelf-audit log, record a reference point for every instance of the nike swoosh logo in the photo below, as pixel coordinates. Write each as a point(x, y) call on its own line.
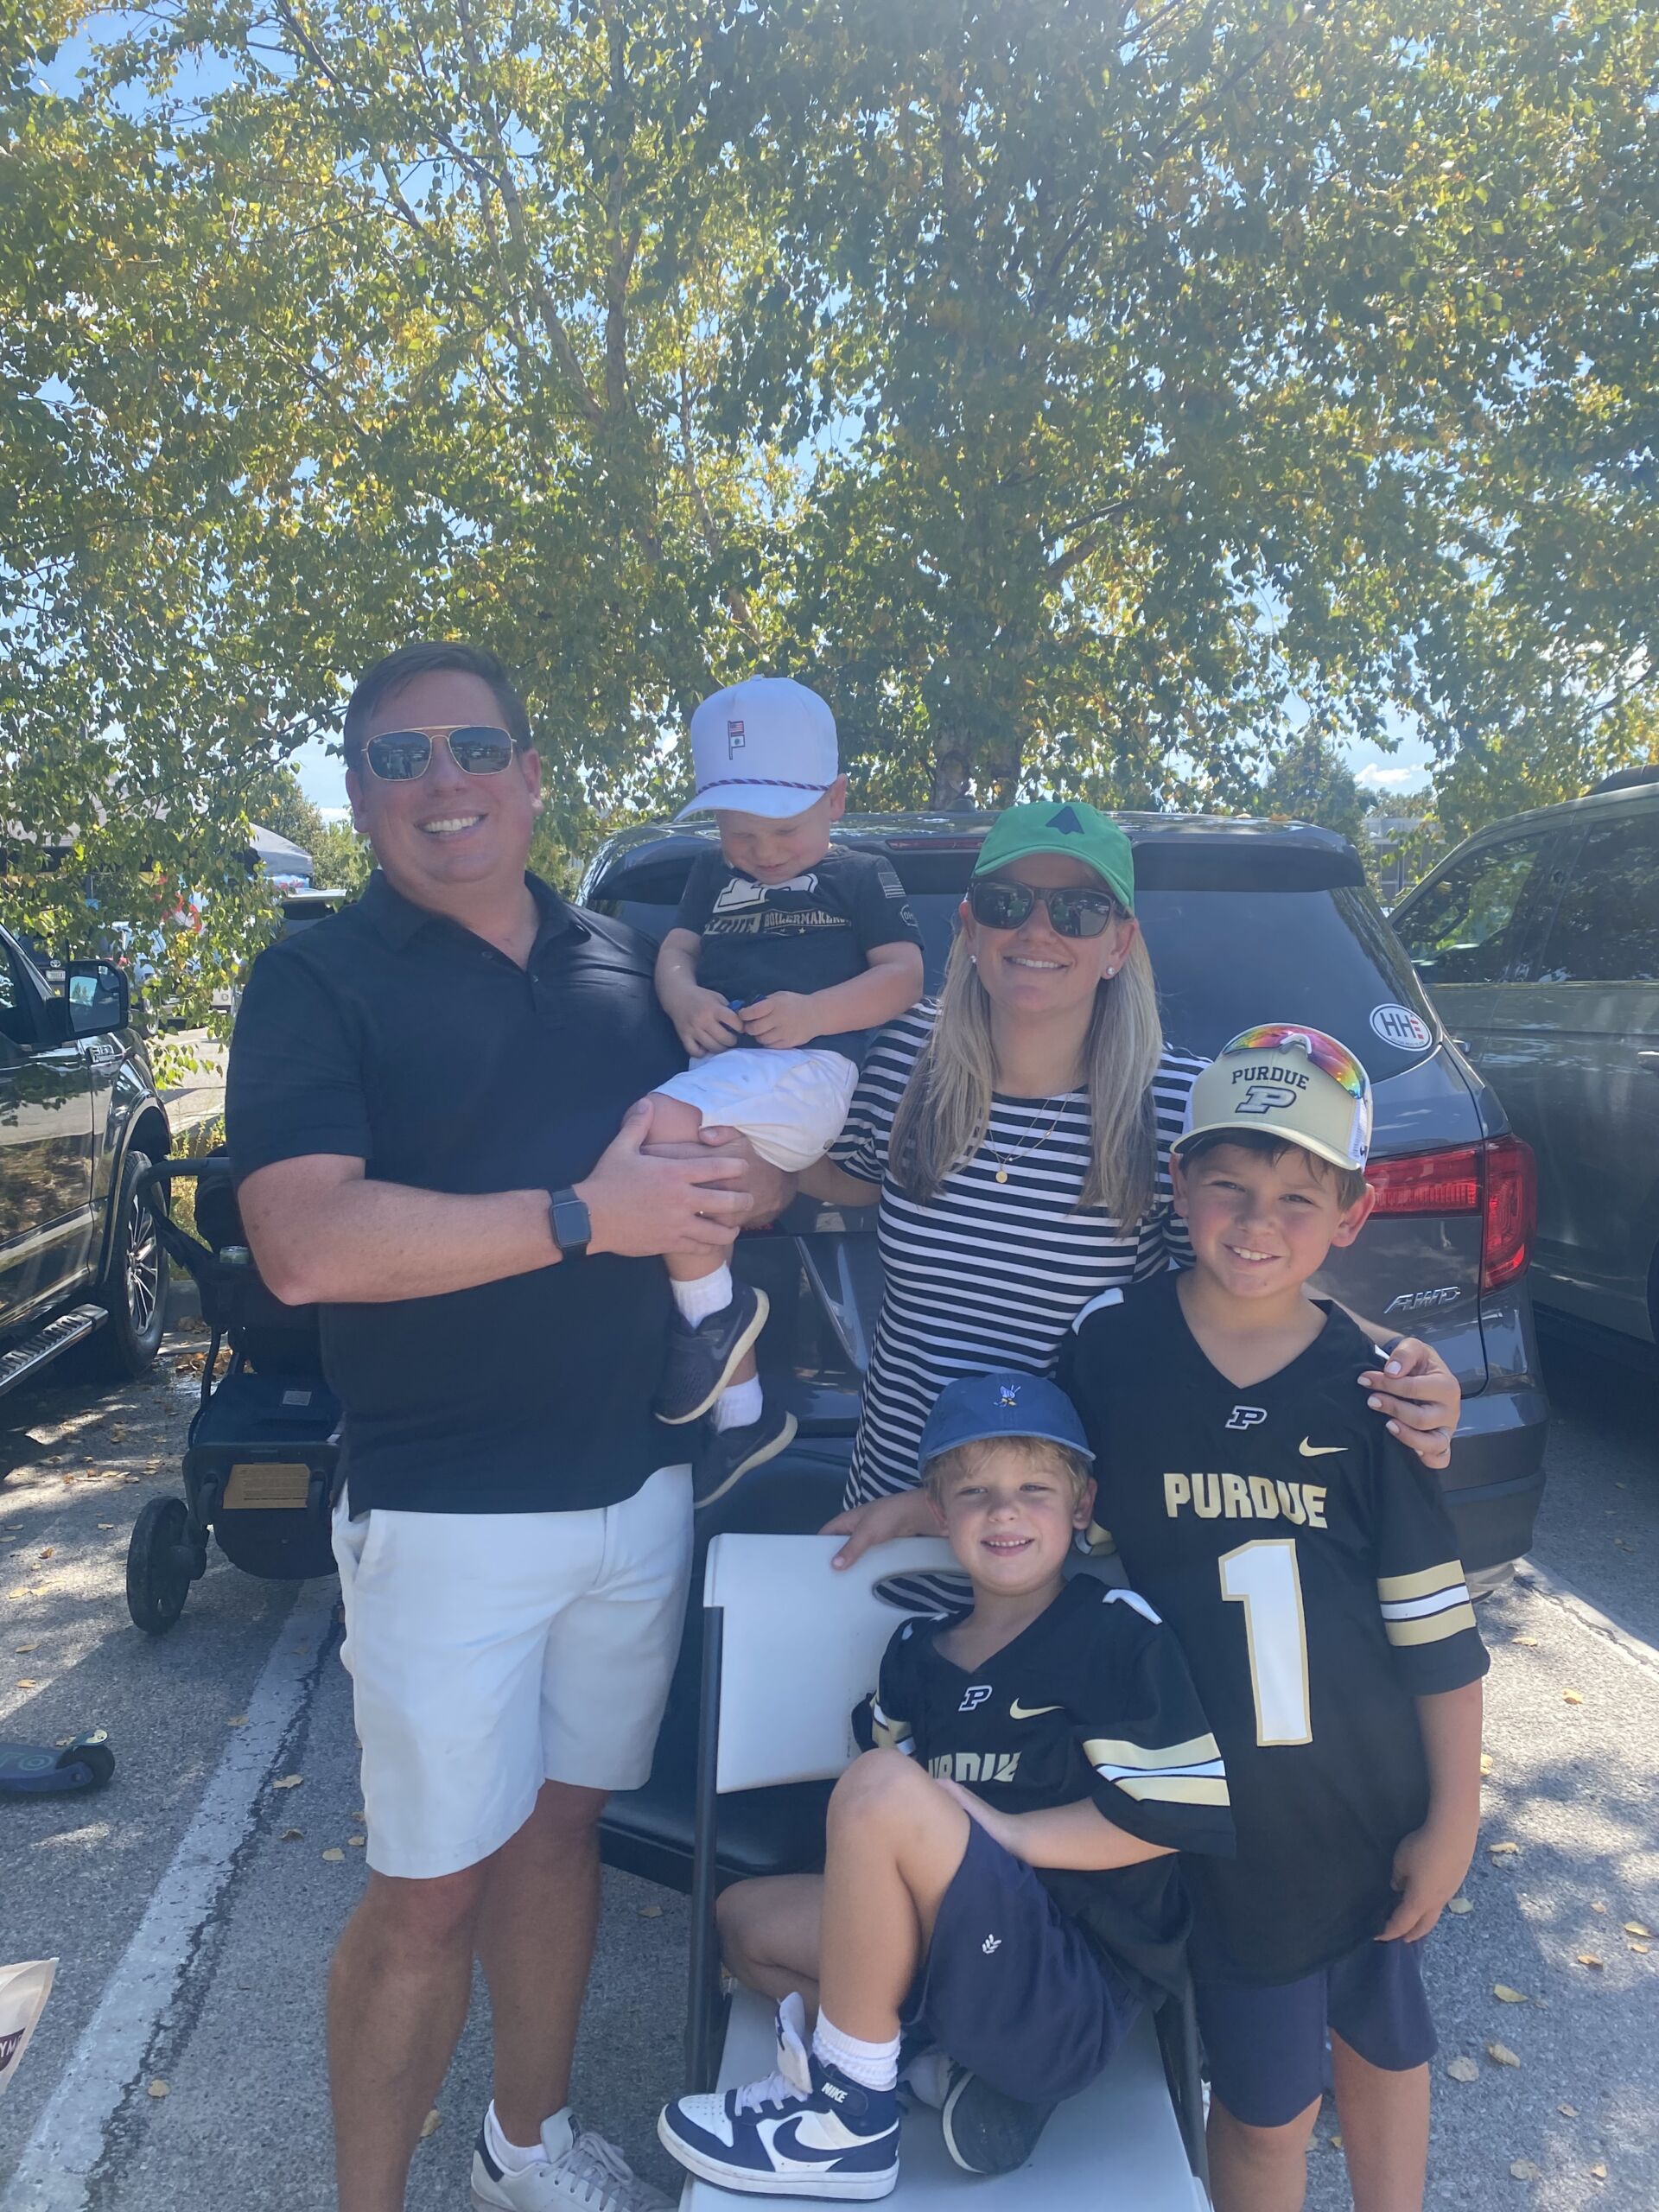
point(1318, 1450)
point(1018, 1711)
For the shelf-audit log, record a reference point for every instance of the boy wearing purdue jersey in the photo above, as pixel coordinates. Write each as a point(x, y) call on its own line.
point(1307, 1562)
point(999, 1879)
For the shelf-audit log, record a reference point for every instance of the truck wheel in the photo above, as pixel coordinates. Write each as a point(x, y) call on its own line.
point(158, 1569)
point(133, 1288)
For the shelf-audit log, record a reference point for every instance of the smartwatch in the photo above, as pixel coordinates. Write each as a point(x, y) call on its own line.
point(567, 1219)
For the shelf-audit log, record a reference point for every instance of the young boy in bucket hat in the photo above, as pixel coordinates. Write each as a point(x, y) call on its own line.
point(999, 1879)
point(784, 955)
point(1307, 1564)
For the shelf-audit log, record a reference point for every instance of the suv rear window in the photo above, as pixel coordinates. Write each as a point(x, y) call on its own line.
point(1225, 959)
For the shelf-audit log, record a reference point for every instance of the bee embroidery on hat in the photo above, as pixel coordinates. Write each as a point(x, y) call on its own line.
point(1008, 1394)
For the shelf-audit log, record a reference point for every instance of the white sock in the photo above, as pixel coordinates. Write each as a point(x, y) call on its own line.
point(872, 2065)
point(513, 2157)
point(694, 1301)
point(739, 1404)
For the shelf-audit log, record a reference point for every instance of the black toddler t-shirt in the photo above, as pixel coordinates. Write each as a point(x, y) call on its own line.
point(805, 935)
point(1092, 1700)
point(1305, 1560)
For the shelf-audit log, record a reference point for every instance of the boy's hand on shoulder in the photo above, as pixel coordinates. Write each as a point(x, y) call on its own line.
point(1001, 1828)
point(1428, 1870)
point(703, 1021)
point(781, 1018)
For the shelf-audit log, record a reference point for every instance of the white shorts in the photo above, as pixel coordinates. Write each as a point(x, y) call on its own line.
point(789, 1101)
point(491, 1652)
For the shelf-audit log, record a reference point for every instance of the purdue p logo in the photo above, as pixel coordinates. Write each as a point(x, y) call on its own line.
point(975, 1696)
point(1265, 1099)
point(1247, 1416)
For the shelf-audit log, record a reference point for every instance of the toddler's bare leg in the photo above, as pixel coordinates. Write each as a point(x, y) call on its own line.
point(1384, 2130)
point(676, 1121)
point(770, 1931)
point(895, 1841)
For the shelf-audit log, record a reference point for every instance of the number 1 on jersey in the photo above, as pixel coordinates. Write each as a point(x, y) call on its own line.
point(1263, 1577)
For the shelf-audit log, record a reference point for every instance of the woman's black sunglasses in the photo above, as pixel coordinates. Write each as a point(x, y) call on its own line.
point(403, 756)
point(996, 903)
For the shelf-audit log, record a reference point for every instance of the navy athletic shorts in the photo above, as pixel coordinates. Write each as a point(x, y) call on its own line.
point(1011, 1988)
point(1266, 2046)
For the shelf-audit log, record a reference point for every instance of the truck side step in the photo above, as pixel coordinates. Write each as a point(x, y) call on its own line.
point(39, 1350)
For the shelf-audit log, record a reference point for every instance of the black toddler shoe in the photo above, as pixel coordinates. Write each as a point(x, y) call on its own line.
point(701, 1361)
point(726, 1455)
point(985, 2132)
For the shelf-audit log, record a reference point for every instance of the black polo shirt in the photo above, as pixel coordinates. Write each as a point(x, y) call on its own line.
point(396, 1037)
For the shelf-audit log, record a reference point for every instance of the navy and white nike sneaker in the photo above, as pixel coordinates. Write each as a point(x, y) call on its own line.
point(805, 2131)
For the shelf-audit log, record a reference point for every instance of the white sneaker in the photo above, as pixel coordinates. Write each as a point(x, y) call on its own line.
point(581, 2173)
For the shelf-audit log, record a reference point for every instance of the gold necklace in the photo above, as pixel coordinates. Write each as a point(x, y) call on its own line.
point(1006, 1160)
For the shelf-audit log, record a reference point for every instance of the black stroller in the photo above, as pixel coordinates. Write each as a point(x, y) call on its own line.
point(262, 1453)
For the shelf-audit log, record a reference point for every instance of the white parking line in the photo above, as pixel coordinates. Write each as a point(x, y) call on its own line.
point(54, 2172)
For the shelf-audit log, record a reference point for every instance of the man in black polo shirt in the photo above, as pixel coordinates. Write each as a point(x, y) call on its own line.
point(425, 1099)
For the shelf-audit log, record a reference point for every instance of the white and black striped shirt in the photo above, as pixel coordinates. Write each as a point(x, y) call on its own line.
point(987, 1273)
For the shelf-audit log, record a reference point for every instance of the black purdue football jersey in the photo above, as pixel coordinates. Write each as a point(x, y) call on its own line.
point(1306, 1561)
point(1091, 1700)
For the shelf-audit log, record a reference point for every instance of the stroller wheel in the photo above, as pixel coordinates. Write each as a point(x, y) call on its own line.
point(158, 1565)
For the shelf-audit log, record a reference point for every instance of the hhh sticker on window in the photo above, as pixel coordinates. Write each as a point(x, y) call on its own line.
point(1399, 1026)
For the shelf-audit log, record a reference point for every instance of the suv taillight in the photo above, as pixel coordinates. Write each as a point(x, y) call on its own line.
point(1495, 1178)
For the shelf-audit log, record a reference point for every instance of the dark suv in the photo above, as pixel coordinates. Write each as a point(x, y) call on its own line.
point(1246, 922)
point(79, 1121)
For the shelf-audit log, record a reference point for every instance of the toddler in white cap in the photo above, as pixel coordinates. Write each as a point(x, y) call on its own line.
point(784, 955)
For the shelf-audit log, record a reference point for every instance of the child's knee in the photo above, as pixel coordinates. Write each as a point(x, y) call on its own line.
point(1265, 2149)
point(875, 1781)
point(673, 1121)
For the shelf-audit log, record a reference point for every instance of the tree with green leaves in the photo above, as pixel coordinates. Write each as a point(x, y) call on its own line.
point(1085, 398)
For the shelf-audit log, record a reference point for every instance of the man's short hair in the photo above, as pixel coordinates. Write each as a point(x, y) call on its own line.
point(948, 1467)
point(429, 657)
point(1349, 1182)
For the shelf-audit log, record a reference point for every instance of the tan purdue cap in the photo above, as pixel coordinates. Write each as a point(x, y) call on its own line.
point(1292, 1082)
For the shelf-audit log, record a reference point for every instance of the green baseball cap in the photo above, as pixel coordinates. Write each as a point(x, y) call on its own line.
point(1070, 826)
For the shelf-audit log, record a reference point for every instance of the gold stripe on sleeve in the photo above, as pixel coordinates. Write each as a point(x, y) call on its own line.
point(1100, 1751)
point(1431, 1628)
point(1391, 1589)
point(1177, 1788)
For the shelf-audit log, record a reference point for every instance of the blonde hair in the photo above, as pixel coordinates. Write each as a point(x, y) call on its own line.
point(964, 1460)
point(946, 1109)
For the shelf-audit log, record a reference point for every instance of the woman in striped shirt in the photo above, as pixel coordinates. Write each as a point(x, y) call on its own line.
point(1017, 1136)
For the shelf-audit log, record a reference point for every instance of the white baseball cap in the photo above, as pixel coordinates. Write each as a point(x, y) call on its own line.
point(765, 746)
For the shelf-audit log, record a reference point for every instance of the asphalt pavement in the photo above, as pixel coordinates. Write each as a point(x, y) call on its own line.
point(192, 1905)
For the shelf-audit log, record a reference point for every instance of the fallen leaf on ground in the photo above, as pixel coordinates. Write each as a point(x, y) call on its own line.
point(1588, 1959)
point(1523, 1639)
point(1598, 2172)
point(1573, 1697)
point(357, 1842)
point(1641, 1949)
point(1464, 2070)
point(1485, 1761)
point(237, 1720)
point(1635, 1927)
point(1501, 2055)
point(1506, 1995)
point(1567, 2112)
point(23, 1648)
point(107, 1524)
point(1336, 2142)
point(27, 1682)
point(650, 1912)
point(289, 1782)
point(431, 2124)
point(1597, 1906)
point(1459, 1905)
point(1502, 1850)
point(157, 2089)
point(334, 1852)
point(1523, 2169)
point(292, 1836)
point(48, 1552)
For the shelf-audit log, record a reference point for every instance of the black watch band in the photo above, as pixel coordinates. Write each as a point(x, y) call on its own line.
point(568, 1219)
